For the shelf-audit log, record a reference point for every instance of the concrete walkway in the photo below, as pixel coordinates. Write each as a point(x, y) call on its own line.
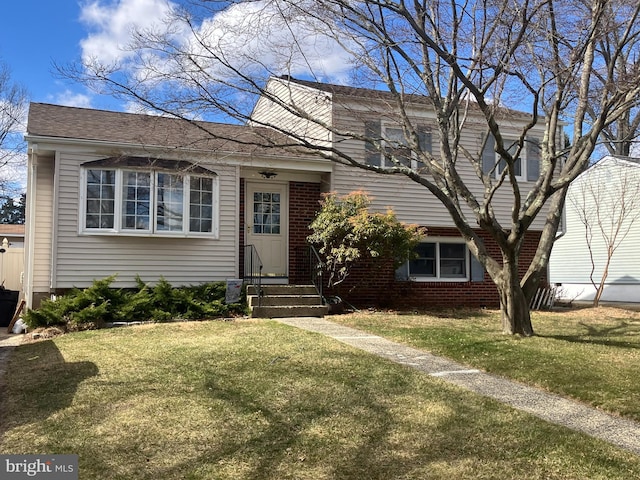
point(552, 408)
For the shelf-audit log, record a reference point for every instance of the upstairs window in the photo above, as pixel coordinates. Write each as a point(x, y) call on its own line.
point(148, 202)
point(394, 142)
point(526, 167)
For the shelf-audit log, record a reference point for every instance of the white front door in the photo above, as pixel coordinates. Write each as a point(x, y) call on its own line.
point(266, 225)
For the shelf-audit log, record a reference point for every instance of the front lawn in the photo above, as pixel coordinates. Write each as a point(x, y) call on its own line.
point(589, 354)
point(260, 400)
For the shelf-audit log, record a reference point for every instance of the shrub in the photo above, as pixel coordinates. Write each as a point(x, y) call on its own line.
point(345, 231)
point(93, 306)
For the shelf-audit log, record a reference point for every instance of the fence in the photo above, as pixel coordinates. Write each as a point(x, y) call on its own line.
point(11, 266)
point(543, 299)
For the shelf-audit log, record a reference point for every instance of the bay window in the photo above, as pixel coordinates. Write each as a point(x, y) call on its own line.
point(133, 201)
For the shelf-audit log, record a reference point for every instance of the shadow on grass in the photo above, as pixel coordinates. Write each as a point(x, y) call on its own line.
point(449, 313)
point(268, 405)
point(309, 430)
point(608, 336)
point(39, 382)
point(287, 440)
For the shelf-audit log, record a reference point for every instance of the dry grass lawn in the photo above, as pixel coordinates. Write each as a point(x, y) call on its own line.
point(259, 400)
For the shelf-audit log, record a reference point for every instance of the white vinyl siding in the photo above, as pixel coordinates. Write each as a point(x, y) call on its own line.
point(180, 260)
point(570, 262)
point(302, 99)
point(410, 201)
point(43, 226)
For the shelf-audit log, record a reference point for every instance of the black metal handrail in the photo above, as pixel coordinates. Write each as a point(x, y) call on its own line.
point(316, 267)
point(253, 270)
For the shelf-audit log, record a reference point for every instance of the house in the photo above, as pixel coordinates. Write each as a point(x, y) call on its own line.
point(152, 196)
point(11, 256)
point(602, 210)
point(118, 193)
point(14, 233)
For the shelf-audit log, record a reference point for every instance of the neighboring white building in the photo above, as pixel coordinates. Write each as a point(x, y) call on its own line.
point(607, 198)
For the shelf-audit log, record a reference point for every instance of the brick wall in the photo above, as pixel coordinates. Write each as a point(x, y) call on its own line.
point(366, 287)
point(304, 203)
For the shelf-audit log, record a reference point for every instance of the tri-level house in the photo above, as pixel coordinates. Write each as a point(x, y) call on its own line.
point(127, 194)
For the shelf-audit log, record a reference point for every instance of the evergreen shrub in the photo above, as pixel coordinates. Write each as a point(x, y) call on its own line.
point(98, 304)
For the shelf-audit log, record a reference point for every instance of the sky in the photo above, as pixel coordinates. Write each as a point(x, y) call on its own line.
point(36, 34)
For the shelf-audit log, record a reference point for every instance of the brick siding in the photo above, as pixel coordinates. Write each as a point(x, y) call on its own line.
point(364, 288)
point(304, 204)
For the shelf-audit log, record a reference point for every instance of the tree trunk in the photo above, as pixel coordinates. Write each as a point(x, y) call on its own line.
point(603, 279)
point(516, 316)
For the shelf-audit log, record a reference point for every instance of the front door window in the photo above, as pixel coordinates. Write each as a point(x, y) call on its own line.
point(266, 213)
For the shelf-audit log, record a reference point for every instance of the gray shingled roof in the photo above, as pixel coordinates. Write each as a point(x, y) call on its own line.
point(385, 95)
point(46, 120)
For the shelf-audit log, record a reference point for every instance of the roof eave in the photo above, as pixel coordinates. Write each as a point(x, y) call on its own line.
point(307, 162)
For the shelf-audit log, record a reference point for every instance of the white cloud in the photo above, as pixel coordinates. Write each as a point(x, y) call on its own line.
point(111, 25)
point(274, 36)
point(73, 99)
point(254, 37)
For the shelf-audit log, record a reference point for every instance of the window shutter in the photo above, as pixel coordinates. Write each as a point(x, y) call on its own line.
point(424, 139)
point(402, 272)
point(533, 159)
point(372, 129)
point(477, 270)
point(489, 154)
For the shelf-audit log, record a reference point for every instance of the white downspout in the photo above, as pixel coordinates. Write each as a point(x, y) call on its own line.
point(32, 170)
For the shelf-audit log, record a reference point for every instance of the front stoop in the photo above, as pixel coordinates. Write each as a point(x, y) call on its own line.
point(282, 301)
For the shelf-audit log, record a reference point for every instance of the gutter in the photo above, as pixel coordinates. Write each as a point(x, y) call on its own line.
point(310, 163)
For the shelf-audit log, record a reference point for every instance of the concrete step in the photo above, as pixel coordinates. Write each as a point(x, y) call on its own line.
point(281, 301)
point(284, 300)
point(268, 290)
point(290, 311)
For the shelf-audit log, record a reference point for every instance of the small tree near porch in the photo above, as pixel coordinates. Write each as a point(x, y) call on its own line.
point(345, 232)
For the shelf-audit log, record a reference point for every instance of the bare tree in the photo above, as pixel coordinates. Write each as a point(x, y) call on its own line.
point(619, 136)
point(13, 108)
point(606, 200)
point(458, 59)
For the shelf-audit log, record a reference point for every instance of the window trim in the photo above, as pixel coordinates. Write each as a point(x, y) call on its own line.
point(379, 129)
point(500, 165)
point(152, 231)
point(438, 241)
point(530, 143)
